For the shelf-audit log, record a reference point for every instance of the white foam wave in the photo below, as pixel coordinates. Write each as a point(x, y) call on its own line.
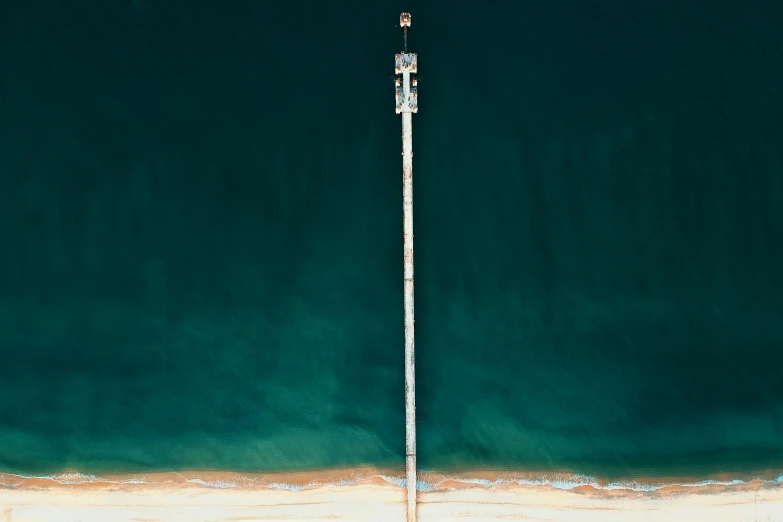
point(397, 481)
point(577, 481)
point(557, 482)
point(289, 487)
point(223, 484)
point(72, 477)
point(134, 481)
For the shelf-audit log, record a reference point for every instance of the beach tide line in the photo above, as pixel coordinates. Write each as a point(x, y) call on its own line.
point(430, 481)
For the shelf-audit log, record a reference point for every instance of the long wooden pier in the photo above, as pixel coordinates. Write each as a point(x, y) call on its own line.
point(407, 104)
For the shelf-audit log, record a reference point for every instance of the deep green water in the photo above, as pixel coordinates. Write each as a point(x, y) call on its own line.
point(201, 230)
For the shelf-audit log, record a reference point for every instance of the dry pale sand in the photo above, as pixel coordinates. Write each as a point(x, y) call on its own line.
point(221, 496)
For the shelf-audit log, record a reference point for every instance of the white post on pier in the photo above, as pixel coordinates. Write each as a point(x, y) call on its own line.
point(407, 104)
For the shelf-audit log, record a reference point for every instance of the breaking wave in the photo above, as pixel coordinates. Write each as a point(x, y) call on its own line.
point(256, 481)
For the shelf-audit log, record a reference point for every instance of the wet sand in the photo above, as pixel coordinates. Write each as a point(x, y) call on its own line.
point(369, 494)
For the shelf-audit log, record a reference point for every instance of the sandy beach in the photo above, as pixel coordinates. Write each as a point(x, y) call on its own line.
point(367, 494)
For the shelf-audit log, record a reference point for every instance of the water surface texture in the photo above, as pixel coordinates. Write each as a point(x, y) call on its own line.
point(201, 229)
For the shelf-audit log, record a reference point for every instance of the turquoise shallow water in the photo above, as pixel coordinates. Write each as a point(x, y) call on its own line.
point(201, 222)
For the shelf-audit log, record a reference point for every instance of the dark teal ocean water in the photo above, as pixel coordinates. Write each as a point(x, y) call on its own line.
point(201, 236)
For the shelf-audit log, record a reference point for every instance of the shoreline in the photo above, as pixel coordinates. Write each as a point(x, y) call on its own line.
point(368, 493)
point(427, 480)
